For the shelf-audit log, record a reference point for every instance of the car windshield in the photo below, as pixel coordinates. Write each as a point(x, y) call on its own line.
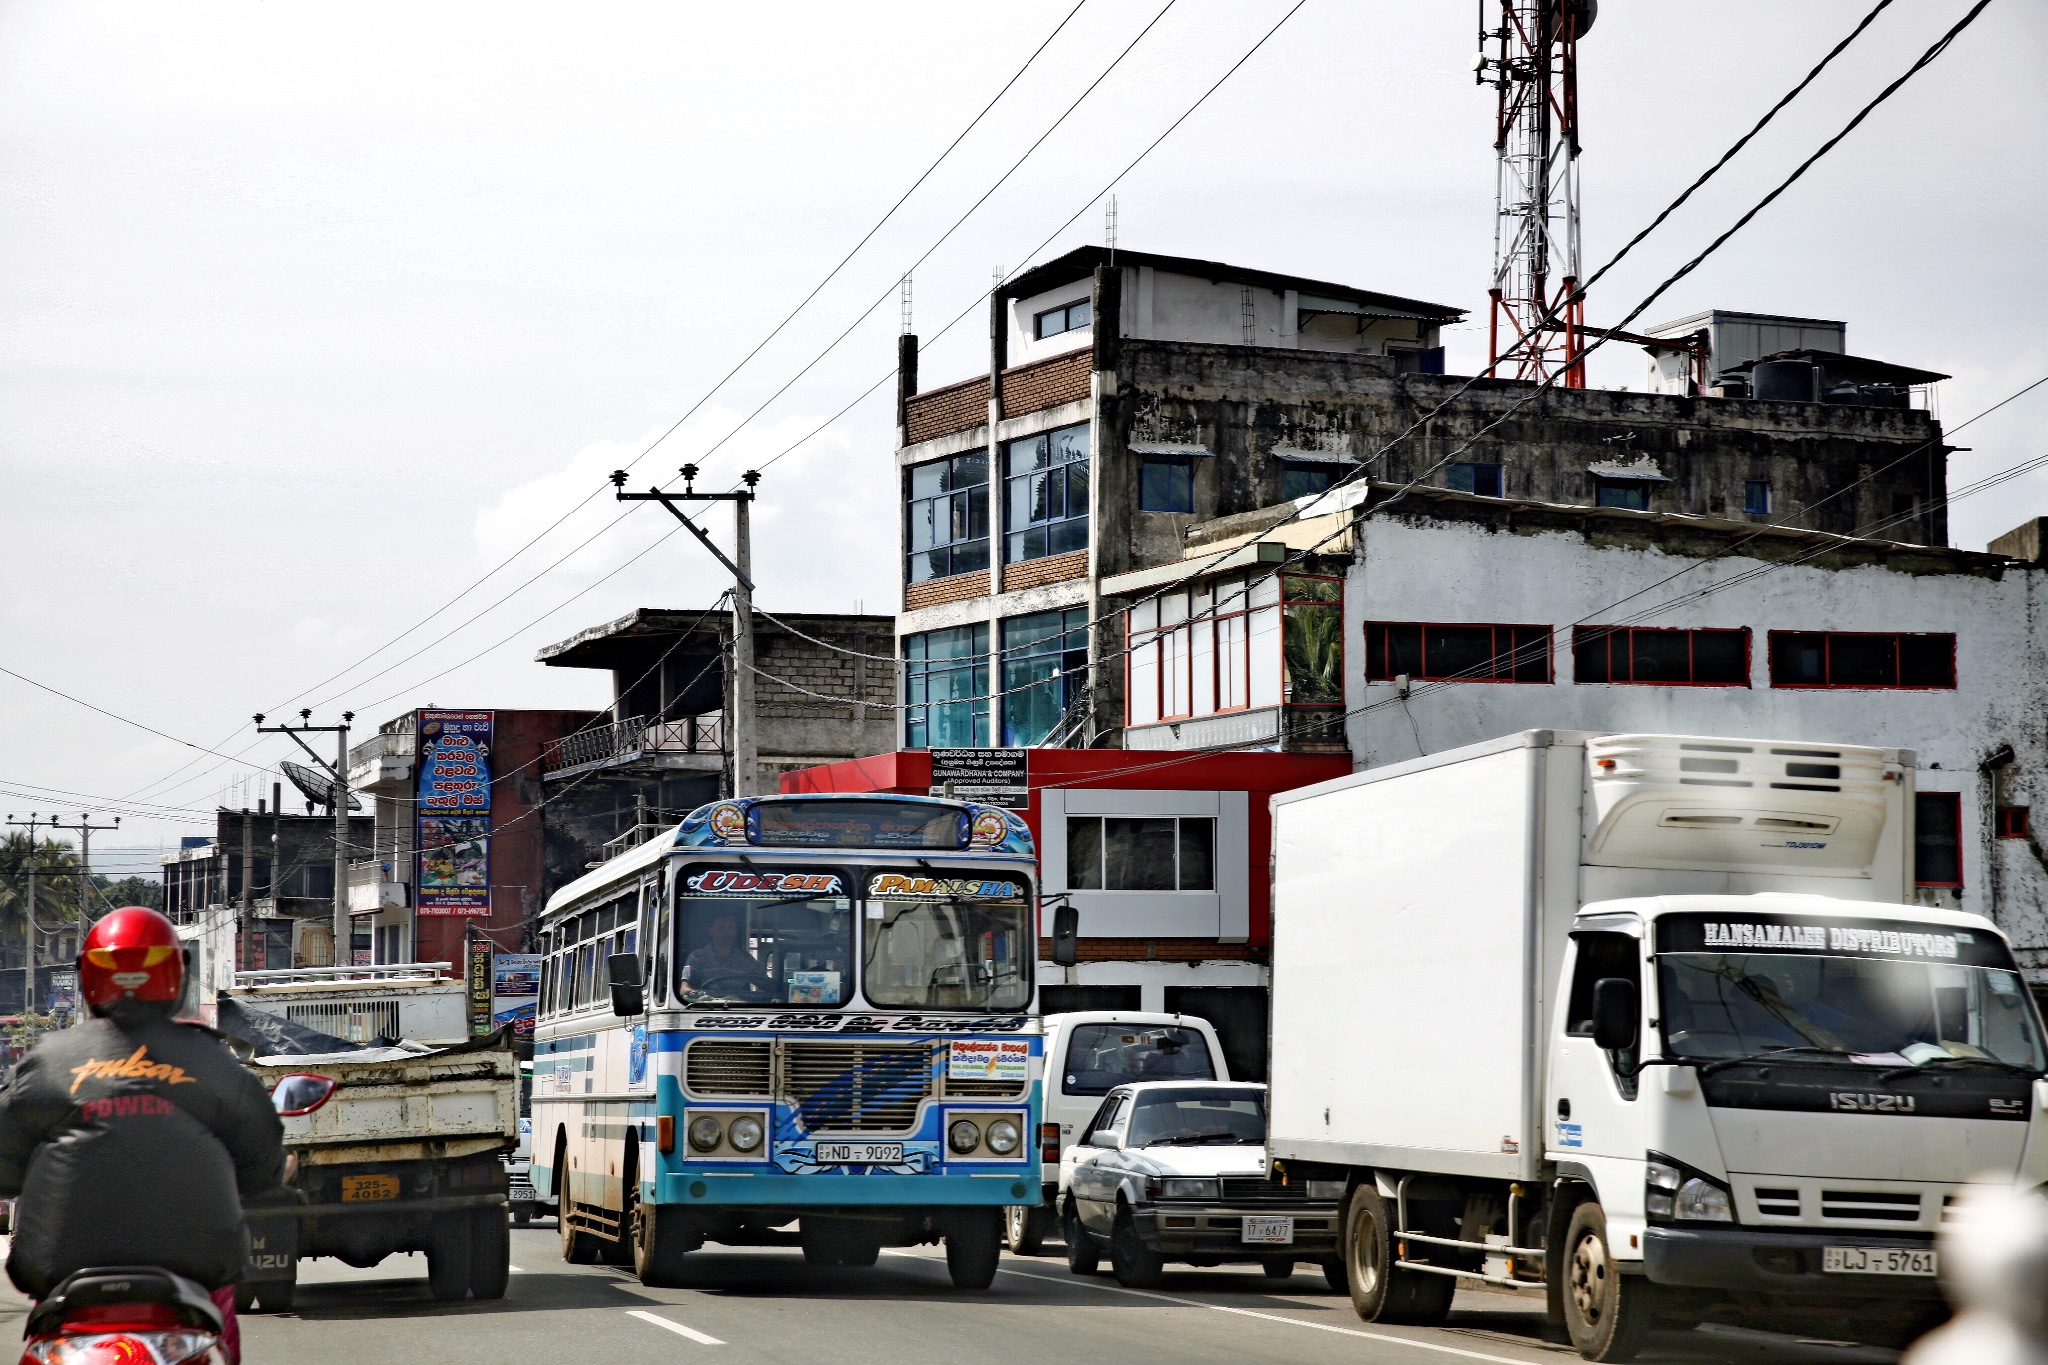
point(1193, 1118)
point(950, 952)
point(1102, 1056)
point(1874, 1011)
point(765, 946)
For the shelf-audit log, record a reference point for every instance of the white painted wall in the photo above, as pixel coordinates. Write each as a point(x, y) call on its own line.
point(1024, 345)
point(1223, 914)
point(1457, 573)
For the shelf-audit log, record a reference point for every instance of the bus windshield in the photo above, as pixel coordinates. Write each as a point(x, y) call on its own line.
point(747, 938)
point(949, 952)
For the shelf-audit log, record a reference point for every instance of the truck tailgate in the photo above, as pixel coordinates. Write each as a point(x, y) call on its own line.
point(434, 1104)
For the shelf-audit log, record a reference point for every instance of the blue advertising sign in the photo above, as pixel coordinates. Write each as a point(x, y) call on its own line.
point(453, 758)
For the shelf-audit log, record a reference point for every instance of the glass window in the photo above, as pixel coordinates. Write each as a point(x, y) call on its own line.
point(1671, 658)
point(1428, 651)
point(1102, 1056)
point(1756, 497)
point(1233, 1117)
point(1312, 641)
point(856, 822)
point(1069, 317)
point(1483, 479)
point(1633, 494)
point(949, 953)
point(1045, 673)
point(946, 688)
point(1046, 494)
point(1600, 957)
point(1141, 853)
point(945, 521)
point(1813, 658)
point(1166, 483)
point(1937, 839)
point(1300, 480)
point(785, 950)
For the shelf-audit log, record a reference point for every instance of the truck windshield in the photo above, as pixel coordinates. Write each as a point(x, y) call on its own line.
point(949, 952)
point(1102, 1056)
point(1189, 1117)
point(1873, 1011)
point(764, 947)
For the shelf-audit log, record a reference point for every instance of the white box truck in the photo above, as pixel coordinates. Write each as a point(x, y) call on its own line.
point(1643, 1022)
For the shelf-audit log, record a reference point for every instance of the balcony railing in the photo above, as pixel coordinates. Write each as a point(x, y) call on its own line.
point(634, 737)
point(396, 745)
point(377, 885)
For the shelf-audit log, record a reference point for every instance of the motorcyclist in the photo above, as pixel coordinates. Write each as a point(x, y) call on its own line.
point(132, 1139)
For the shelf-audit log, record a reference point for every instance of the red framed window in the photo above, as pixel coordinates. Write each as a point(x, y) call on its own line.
point(1862, 659)
point(1938, 839)
point(2012, 822)
point(1433, 652)
point(1660, 658)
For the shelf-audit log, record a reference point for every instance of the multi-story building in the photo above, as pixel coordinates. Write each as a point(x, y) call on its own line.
point(287, 864)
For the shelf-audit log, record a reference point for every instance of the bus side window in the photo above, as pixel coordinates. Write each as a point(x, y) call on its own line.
point(547, 983)
point(657, 934)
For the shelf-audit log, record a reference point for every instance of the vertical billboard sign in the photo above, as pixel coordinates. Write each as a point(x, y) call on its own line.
point(515, 990)
point(453, 759)
point(480, 953)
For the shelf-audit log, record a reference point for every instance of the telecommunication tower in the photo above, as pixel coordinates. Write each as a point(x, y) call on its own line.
point(1533, 66)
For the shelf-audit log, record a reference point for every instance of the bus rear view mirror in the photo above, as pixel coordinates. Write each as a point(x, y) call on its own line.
point(1066, 934)
point(629, 988)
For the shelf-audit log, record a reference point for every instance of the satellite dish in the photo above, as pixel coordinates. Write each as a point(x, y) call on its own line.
point(314, 785)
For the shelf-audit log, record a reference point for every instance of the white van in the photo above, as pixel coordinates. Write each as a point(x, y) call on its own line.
point(1087, 1054)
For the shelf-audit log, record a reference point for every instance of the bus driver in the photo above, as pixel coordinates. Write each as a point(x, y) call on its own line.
point(724, 967)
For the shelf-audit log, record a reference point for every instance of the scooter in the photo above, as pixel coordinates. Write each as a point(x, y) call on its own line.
point(125, 1315)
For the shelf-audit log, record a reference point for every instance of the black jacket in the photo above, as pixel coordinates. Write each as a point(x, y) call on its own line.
point(133, 1142)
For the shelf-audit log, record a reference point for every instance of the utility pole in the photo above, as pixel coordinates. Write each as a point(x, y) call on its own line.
point(28, 994)
point(84, 829)
point(338, 798)
point(246, 934)
point(746, 777)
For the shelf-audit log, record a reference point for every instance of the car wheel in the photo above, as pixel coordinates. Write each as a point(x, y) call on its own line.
point(1277, 1268)
point(1334, 1276)
point(1135, 1265)
point(1607, 1313)
point(1024, 1229)
point(1083, 1256)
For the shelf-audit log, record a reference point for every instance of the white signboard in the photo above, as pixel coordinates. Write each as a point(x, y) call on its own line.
point(988, 1059)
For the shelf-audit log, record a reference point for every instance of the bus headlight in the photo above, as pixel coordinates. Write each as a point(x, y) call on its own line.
point(1003, 1137)
point(705, 1131)
point(963, 1136)
point(745, 1133)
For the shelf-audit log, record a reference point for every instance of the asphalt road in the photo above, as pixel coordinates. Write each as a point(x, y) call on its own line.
point(765, 1304)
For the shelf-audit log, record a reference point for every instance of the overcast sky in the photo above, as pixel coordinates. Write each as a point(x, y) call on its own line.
point(313, 315)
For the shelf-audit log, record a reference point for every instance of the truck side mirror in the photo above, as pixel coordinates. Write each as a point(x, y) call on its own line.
point(629, 987)
point(1616, 1009)
point(1066, 934)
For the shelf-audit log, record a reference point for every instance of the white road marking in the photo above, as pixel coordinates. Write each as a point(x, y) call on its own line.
point(692, 1333)
point(1090, 1282)
point(516, 1269)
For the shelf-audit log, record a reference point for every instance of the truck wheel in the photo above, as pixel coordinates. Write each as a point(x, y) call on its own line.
point(522, 1212)
point(1083, 1258)
point(658, 1246)
point(1135, 1265)
point(245, 1298)
point(974, 1243)
point(276, 1296)
point(1024, 1228)
point(1277, 1269)
point(1381, 1291)
point(490, 1252)
point(448, 1255)
point(1606, 1312)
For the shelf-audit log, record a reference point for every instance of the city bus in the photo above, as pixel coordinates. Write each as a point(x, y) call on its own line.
point(794, 1020)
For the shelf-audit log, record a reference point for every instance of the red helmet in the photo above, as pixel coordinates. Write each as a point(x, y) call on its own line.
point(131, 954)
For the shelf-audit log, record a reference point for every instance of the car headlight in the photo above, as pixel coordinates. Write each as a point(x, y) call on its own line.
point(705, 1132)
point(1660, 1183)
point(1003, 1137)
point(1325, 1189)
point(745, 1133)
point(1704, 1201)
point(963, 1136)
point(1179, 1187)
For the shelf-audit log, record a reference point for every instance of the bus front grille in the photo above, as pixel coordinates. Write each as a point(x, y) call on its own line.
point(856, 1087)
point(727, 1066)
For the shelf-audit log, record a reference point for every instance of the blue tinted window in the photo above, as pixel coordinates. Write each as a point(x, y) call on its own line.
point(1045, 494)
point(945, 686)
point(1166, 483)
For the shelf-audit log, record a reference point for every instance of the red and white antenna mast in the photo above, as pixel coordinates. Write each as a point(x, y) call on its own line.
point(1534, 65)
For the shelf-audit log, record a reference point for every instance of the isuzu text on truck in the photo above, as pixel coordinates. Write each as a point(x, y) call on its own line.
point(1644, 1023)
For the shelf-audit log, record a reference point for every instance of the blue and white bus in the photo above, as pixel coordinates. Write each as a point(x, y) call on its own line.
point(836, 1043)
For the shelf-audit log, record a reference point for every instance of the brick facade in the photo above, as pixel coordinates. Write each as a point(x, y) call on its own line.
point(1036, 573)
point(957, 407)
point(1046, 383)
point(940, 591)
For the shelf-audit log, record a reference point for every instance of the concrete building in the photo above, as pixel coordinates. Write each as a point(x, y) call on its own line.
point(287, 862)
point(1466, 617)
point(1130, 397)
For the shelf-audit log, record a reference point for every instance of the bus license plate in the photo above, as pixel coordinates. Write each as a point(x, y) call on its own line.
point(1877, 1261)
point(362, 1189)
point(860, 1153)
point(521, 1194)
point(1271, 1231)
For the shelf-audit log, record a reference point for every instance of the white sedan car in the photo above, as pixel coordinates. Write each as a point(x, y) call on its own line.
point(1176, 1171)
